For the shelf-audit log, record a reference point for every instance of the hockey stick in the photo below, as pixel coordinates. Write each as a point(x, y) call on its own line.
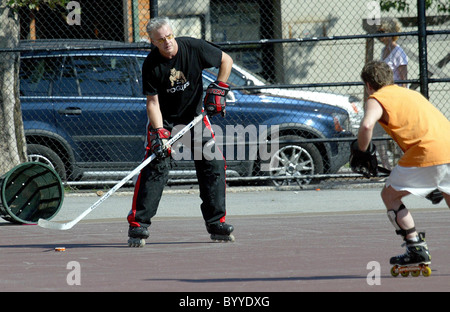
point(65, 226)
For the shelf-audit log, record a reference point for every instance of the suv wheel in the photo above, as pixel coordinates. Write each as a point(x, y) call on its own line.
point(295, 160)
point(43, 154)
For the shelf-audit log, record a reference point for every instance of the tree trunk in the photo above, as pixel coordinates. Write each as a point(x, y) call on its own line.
point(12, 137)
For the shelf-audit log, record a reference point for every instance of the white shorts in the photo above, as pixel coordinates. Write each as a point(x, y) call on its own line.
point(420, 181)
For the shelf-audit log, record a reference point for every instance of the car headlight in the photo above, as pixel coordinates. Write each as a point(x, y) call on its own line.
point(356, 104)
point(341, 122)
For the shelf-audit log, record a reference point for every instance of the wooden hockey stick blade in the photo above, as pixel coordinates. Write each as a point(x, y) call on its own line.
point(68, 225)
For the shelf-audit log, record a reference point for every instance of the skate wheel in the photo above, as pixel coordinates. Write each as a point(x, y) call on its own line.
point(405, 273)
point(222, 238)
point(136, 242)
point(426, 271)
point(394, 271)
point(415, 273)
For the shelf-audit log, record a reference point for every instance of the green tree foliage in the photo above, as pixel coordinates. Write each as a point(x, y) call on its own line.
point(34, 4)
point(443, 6)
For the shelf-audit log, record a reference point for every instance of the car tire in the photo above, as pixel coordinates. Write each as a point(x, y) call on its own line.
point(294, 160)
point(45, 155)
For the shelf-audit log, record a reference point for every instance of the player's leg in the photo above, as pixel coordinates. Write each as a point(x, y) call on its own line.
point(398, 214)
point(402, 182)
point(416, 247)
point(147, 195)
point(447, 199)
point(212, 184)
point(444, 184)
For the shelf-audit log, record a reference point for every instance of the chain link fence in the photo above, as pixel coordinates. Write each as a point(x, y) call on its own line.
point(296, 98)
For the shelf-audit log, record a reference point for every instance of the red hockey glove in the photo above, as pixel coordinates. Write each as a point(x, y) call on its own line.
point(157, 141)
point(215, 98)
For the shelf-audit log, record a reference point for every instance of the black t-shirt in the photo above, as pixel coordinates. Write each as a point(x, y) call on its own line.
point(178, 81)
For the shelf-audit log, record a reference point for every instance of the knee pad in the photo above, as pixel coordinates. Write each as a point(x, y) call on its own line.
point(392, 215)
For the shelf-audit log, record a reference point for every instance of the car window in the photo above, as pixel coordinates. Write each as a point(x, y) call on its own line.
point(66, 84)
point(103, 76)
point(97, 76)
point(37, 74)
point(236, 78)
point(140, 61)
point(206, 82)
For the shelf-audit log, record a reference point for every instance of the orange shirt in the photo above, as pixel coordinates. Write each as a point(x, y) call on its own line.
point(419, 128)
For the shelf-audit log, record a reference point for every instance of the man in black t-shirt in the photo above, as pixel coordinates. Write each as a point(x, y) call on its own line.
point(172, 82)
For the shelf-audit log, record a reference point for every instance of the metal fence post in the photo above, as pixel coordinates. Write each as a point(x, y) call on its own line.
point(153, 8)
point(422, 28)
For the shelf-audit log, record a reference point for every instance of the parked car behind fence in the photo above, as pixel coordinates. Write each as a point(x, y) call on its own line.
point(84, 113)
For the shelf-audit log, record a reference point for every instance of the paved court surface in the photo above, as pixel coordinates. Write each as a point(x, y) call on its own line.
point(288, 241)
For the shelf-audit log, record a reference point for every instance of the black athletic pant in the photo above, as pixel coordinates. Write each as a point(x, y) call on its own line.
point(210, 174)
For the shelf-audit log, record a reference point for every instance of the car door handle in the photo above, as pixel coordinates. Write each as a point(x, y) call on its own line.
point(70, 111)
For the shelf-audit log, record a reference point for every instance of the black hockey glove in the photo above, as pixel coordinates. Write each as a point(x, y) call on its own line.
point(214, 101)
point(364, 162)
point(157, 139)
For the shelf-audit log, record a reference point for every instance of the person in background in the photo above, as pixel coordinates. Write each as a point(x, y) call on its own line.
point(393, 55)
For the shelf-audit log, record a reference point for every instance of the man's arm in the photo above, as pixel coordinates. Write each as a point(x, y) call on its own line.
point(154, 112)
point(157, 135)
point(216, 93)
point(225, 67)
point(403, 74)
point(373, 113)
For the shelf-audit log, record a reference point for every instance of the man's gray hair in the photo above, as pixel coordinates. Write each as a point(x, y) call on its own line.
point(156, 23)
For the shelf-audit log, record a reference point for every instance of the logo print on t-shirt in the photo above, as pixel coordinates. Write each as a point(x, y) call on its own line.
point(177, 81)
point(176, 77)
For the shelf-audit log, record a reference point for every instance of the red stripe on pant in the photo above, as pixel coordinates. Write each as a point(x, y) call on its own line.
point(209, 127)
point(132, 214)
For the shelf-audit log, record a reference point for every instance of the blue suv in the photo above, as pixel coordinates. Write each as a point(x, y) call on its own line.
point(84, 113)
